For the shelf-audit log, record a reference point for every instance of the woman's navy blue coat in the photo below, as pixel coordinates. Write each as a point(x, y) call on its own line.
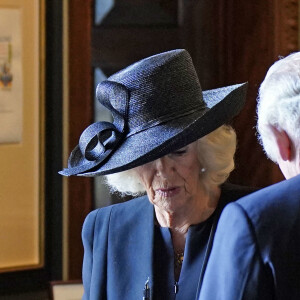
point(118, 244)
point(117, 250)
point(256, 251)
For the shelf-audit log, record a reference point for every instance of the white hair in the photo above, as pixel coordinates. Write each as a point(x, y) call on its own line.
point(279, 103)
point(215, 154)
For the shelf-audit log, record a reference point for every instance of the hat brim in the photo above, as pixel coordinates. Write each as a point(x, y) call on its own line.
point(153, 143)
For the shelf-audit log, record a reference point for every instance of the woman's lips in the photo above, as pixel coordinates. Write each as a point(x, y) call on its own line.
point(168, 192)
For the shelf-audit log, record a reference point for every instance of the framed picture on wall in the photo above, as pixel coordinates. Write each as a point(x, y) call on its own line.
point(21, 135)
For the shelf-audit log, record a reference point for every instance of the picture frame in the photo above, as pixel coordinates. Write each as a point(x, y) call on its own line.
point(66, 290)
point(22, 134)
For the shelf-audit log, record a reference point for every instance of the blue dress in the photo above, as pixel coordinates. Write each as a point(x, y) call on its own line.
point(196, 245)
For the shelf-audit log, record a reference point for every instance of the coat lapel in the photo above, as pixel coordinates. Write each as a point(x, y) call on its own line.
point(130, 252)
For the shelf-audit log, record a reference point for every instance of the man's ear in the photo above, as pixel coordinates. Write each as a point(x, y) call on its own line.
point(283, 142)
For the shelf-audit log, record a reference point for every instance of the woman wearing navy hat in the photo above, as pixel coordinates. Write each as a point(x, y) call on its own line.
point(169, 145)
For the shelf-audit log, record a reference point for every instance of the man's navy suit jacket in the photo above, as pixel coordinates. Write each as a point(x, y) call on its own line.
point(256, 250)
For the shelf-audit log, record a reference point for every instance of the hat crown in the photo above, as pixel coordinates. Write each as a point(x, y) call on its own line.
point(167, 81)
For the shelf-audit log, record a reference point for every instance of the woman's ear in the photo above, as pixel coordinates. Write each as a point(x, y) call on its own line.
point(283, 142)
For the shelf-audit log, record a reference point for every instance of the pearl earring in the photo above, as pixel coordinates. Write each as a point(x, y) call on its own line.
point(203, 170)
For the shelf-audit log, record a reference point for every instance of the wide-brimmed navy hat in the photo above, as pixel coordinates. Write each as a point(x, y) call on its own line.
point(158, 107)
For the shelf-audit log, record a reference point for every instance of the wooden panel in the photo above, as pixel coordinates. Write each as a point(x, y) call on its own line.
point(253, 24)
point(286, 26)
point(137, 13)
point(236, 41)
point(80, 116)
point(202, 35)
point(254, 35)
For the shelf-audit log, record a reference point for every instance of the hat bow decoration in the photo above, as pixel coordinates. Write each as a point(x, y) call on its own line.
point(98, 141)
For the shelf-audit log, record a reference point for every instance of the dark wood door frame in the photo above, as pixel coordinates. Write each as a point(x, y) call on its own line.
point(80, 190)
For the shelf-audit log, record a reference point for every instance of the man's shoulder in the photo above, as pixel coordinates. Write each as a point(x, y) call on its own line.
point(271, 198)
point(271, 211)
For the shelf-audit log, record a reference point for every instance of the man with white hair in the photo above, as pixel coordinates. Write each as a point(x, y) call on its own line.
point(256, 250)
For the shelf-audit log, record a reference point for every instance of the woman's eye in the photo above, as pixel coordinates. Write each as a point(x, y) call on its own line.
point(180, 152)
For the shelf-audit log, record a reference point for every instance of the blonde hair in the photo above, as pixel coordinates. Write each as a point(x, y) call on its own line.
point(279, 103)
point(215, 154)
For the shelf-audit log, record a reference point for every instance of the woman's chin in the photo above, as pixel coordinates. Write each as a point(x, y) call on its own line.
point(170, 203)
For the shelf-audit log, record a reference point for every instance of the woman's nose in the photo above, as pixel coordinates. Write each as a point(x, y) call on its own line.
point(164, 167)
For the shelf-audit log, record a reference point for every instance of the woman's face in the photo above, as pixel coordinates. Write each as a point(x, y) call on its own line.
point(173, 181)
